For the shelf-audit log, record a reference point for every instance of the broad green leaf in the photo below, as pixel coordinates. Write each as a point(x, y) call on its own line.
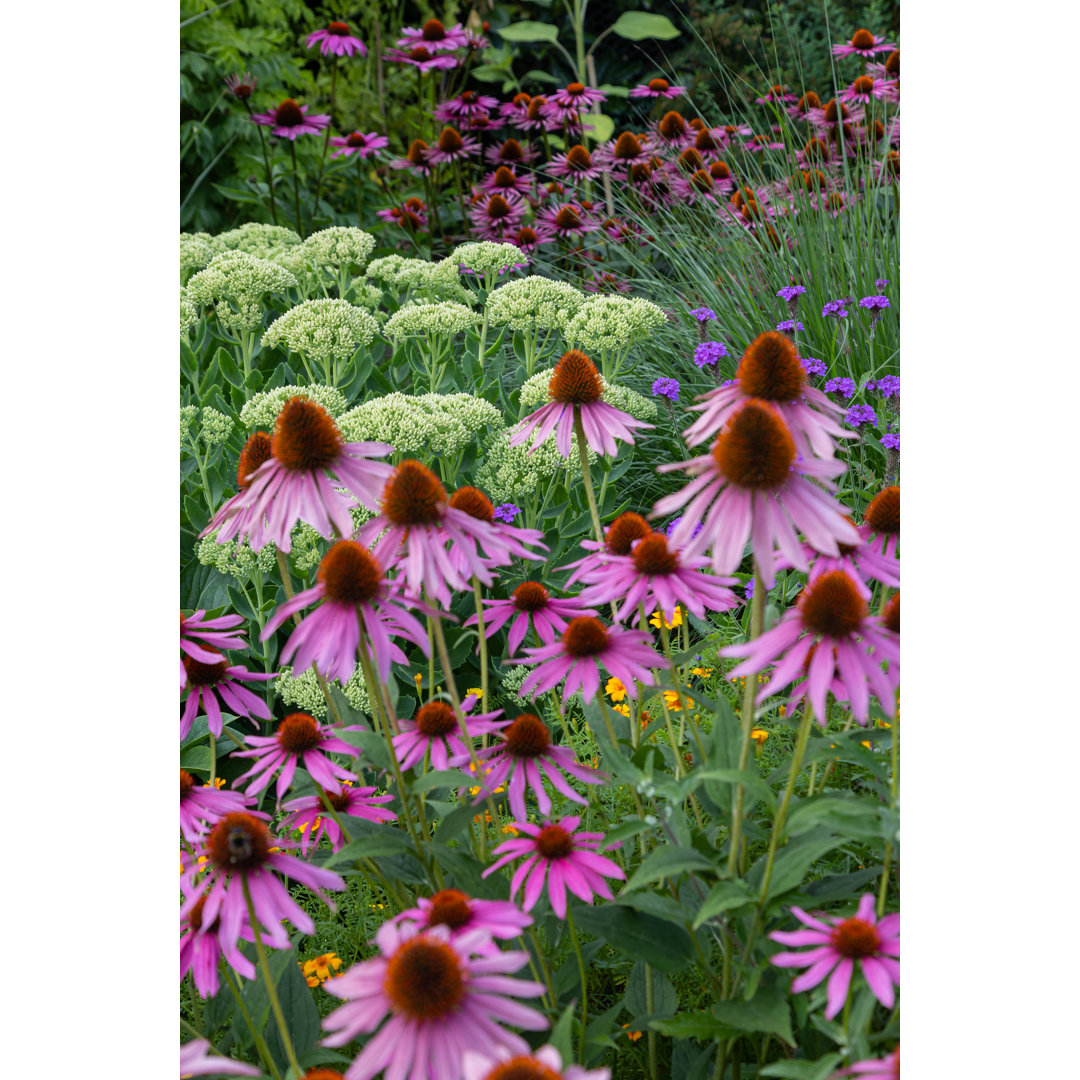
point(603, 127)
point(301, 1014)
point(667, 862)
point(641, 937)
point(767, 1013)
point(562, 1033)
point(639, 25)
point(665, 1000)
point(724, 896)
point(803, 1070)
point(793, 861)
point(227, 365)
point(529, 31)
point(689, 1026)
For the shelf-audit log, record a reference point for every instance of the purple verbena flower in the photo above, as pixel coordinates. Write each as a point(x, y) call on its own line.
point(860, 414)
point(891, 441)
point(834, 309)
point(874, 303)
point(668, 388)
point(748, 589)
point(790, 326)
point(702, 314)
point(813, 366)
point(790, 292)
point(709, 352)
point(842, 385)
point(887, 386)
point(507, 512)
point(881, 282)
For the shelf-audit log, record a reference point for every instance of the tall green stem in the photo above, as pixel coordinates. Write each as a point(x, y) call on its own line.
point(894, 790)
point(326, 139)
point(296, 188)
point(269, 171)
point(584, 981)
point(583, 451)
point(256, 1034)
point(477, 596)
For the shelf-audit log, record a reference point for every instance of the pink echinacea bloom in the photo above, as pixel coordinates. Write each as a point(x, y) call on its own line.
point(336, 39)
point(498, 1063)
point(309, 815)
point(290, 121)
point(196, 1060)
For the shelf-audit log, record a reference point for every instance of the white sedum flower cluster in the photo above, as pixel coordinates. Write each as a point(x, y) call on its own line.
point(309, 547)
point(485, 258)
point(417, 279)
point(189, 313)
point(255, 238)
point(427, 320)
point(428, 424)
point(303, 691)
point(339, 246)
point(511, 474)
point(234, 284)
point(534, 393)
point(513, 676)
point(196, 250)
point(533, 303)
point(613, 323)
point(323, 330)
point(235, 559)
point(262, 410)
point(215, 427)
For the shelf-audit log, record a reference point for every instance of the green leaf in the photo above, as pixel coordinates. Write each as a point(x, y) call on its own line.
point(301, 1013)
point(387, 841)
point(724, 896)
point(536, 75)
point(767, 1013)
point(227, 366)
point(848, 816)
point(665, 1000)
point(443, 778)
point(562, 1033)
point(688, 1026)
point(641, 937)
point(794, 861)
point(529, 31)
point(803, 1070)
point(667, 862)
point(638, 25)
point(603, 127)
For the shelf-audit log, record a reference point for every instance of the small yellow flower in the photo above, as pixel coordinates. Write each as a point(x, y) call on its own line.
point(675, 620)
point(312, 981)
point(474, 791)
point(867, 744)
point(321, 965)
point(510, 829)
point(487, 818)
point(759, 735)
point(671, 699)
point(783, 710)
point(884, 723)
point(219, 782)
point(615, 689)
point(477, 690)
point(633, 1036)
point(419, 680)
point(624, 709)
point(704, 672)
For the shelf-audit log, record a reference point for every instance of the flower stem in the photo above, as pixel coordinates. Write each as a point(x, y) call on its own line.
point(894, 788)
point(269, 172)
point(544, 968)
point(757, 619)
point(483, 649)
point(326, 140)
point(260, 1042)
point(271, 989)
point(579, 430)
point(213, 759)
point(584, 981)
point(650, 1007)
point(296, 188)
point(359, 191)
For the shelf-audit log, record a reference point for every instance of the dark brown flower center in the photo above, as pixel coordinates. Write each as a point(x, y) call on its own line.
point(450, 142)
point(690, 160)
point(719, 170)
point(505, 178)
point(892, 162)
point(511, 151)
point(433, 30)
point(892, 64)
point(323, 1074)
point(257, 450)
point(585, 636)
point(195, 917)
point(523, 1068)
point(625, 529)
point(835, 111)
point(575, 89)
point(816, 150)
point(832, 605)
point(436, 718)
point(419, 54)
point(473, 502)
point(751, 211)
point(770, 368)
point(578, 158)
point(658, 86)
point(417, 152)
point(567, 218)
point(498, 207)
point(891, 615)
point(449, 908)
point(288, 114)
point(526, 236)
point(187, 782)
point(298, 732)
point(755, 450)
point(200, 674)
point(862, 39)
point(535, 105)
point(306, 438)
point(702, 181)
point(883, 513)
point(705, 141)
point(238, 842)
point(855, 939)
point(424, 980)
point(521, 100)
point(554, 842)
point(653, 556)
point(413, 495)
point(575, 380)
point(672, 125)
point(627, 147)
point(410, 221)
point(808, 101)
point(530, 596)
point(350, 573)
point(863, 84)
point(338, 28)
point(527, 736)
point(339, 800)
point(356, 139)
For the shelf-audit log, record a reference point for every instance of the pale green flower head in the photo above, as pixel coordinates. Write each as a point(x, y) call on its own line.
point(511, 474)
point(382, 271)
point(323, 330)
point(235, 559)
point(304, 693)
point(534, 393)
point(309, 547)
point(370, 298)
point(188, 413)
point(418, 279)
point(196, 250)
point(513, 676)
point(613, 323)
point(255, 238)
point(294, 260)
point(339, 247)
point(189, 313)
point(214, 427)
point(426, 320)
point(486, 259)
point(234, 284)
point(533, 303)
point(262, 410)
point(427, 424)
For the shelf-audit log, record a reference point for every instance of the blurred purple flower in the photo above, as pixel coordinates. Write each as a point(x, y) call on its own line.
point(668, 388)
point(709, 352)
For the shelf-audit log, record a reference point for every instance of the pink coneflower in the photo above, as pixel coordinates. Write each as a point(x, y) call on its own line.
point(435, 728)
point(760, 143)
point(424, 58)
point(238, 851)
point(575, 165)
point(309, 815)
point(624, 152)
point(535, 116)
point(412, 216)
point(865, 89)
point(746, 488)
point(856, 560)
point(862, 43)
point(568, 861)
point(217, 684)
point(566, 221)
point(194, 628)
point(452, 146)
point(499, 1063)
point(604, 281)
point(357, 599)
point(881, 527)
point(241, 86)
point(359, 143)
point(414, 528)
point(672, 130)
point(201, 949)
point(510, 153)
point(497, 217)
point(886, 1068)
point(776, 93)
point(336, 39)
point(505, 182)
point(516, 110)
point(503, 543)
point(698, 187)
point(567, 105)
point(827, 635)
point(290, 121)
point(529, 239)
point(293, 485)
point(196, 1060)
point(872, 943)
point(619, 539)
point(657, 88)
point(576, 390)
point(657, 575)
point(464, 914)
point(299, 739)
point(468, 104)
point(202, 807)
point(576, 657)
point(770, 370)
point(530, 601)
point(526, 752)
point(438, 993)
point(434, 36)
